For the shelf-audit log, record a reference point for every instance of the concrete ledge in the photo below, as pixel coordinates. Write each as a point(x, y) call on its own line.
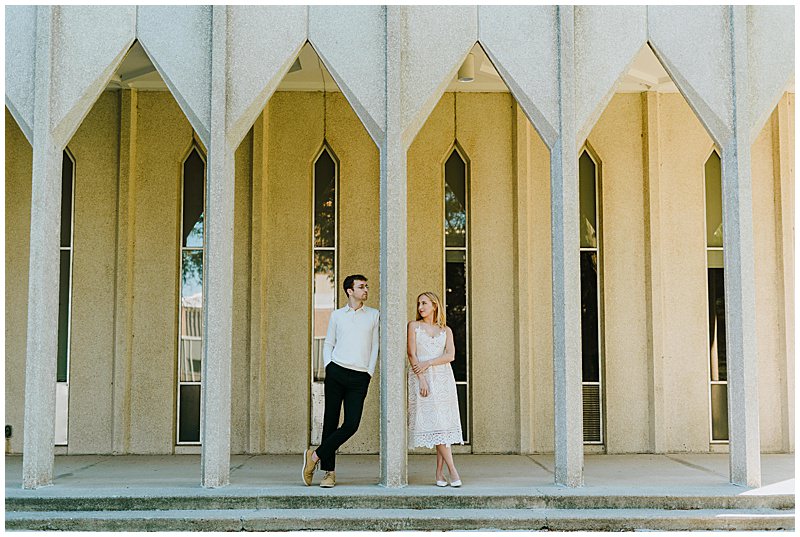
point(378, 498)
point(405, 519)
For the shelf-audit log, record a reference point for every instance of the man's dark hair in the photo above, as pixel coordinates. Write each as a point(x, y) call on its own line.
point(350, 280)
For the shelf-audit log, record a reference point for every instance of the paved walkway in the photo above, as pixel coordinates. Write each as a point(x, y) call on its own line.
point(651, 475)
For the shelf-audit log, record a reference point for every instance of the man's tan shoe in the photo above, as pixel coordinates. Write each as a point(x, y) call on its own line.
point(309, 465)
point(329, 481)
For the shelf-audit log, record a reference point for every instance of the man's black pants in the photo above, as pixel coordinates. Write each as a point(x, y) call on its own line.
point(346, 386)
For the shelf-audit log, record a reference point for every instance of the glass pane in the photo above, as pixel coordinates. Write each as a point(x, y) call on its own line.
point(66, 200)
point(714, 200)
point(324, 304)
point(455, 201)
point(590, 342)
point(191, 343)
point(63, 315)
point(193, 199)
point(716, 323)
point(189, 422)
point(456, 308)
point(588, 201)
point(325, 201)
point(715, 259)
point(719, 411)
point(461, 390)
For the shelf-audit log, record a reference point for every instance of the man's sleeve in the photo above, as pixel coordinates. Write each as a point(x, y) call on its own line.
point(376, 343)
point(330, 340)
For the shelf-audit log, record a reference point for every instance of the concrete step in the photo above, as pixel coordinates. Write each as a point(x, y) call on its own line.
point(376, 498)
point(405, 519)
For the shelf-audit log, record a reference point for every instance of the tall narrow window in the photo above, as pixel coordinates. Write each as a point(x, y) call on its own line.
point(190, 344)
point(590, 301)
point(456, 275)
point(326, 175)
point(716, 301)
point(64, 300)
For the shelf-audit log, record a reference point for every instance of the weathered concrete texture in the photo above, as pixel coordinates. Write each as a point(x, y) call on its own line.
point(351, 40)
point(178, 41)
point(622, 255)
point(770, 47)
point(19, 156)
point(516, 37)
point(91, 42)
point(564, 198)
point(259, 59)
point(406, 520)
point(393, 269)
point(607, 39)
point(215, 415)
point(42, 332)
point(95, 149)
point(435, 40)
point(704, 79)
point(20, 58)
point(740, 288)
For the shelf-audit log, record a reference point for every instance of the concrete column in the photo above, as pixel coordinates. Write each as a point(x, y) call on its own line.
point(740, 292)
point(653, 269)
point(567, 369)
point(393, 268)
point(126, 244)
point(43, 280)
point(218, 296)
point(783, 143)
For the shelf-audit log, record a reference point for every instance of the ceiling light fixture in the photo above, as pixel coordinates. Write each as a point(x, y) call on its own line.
point(466, 73)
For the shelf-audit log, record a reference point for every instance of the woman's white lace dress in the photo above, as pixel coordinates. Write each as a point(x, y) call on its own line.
point(433, 419)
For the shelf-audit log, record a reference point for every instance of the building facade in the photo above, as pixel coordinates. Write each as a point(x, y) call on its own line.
point(607, 214)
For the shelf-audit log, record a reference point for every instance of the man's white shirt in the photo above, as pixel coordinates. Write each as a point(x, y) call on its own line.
point(352, 340)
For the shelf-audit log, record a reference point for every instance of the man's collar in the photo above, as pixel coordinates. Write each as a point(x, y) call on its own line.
point(348, 308)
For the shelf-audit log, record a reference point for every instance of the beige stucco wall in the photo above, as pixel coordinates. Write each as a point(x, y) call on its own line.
point(295, 133)
point(19, 155)
point(272, 252)
point(485, 131)
point(617, 142)
point(95, 148)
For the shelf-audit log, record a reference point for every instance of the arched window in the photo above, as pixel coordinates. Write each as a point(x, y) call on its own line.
point(718, 378)
point(190, 324)
point(591, 318)
point(64, 298)
point(456, 274)
point(324, 242)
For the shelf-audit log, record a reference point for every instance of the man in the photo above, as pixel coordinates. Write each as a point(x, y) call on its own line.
point(350, 355)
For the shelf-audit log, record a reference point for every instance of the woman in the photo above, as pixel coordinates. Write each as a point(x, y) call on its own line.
point(433, 418)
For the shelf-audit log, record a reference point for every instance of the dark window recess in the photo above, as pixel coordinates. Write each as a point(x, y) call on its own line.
point(455, 201)
point(589, 318)
point(66, 200)
point(456, 311)
point(190, 413)
point(194, 174)
point(716, 323)
point(325, 201)
point(63, 316)
point(9, 431)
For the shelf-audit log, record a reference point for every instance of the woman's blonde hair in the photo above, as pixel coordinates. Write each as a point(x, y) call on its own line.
point(438, 310)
